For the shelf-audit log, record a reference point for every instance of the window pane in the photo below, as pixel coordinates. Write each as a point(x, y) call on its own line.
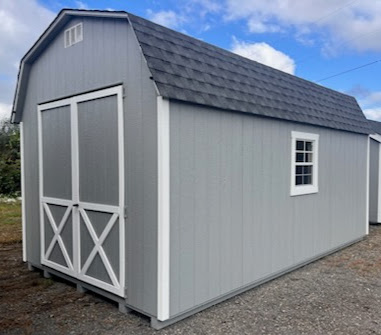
point(79, 32)
point(307, 169)
point(308, 158)
point(307, 179)
point(67, 37)
point(308, 146)
point(299, 157)
point(298, 180)
point(72, 32)
point(299, 145)
point(299, 170)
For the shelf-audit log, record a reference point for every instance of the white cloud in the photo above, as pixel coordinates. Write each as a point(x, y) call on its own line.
point(21, 23)
point(81, 5)
point(265, 54)
point(373, 113)
point(256, 26)
point(203, 7)
point(167, 18)
point(369, 101)
point(5, 111)
point(355, 24)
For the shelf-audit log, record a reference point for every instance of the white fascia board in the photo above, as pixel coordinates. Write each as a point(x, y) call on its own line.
point(163, 142)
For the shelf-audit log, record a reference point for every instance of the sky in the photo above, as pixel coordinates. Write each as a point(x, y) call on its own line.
point(335, 43)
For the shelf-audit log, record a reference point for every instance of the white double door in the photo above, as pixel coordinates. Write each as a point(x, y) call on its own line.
point(81, 162)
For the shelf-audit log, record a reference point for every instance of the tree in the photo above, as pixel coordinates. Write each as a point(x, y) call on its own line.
point(9, 159)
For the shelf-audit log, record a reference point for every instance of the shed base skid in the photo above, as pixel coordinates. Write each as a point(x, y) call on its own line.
point(84, 287)
point(155, 323)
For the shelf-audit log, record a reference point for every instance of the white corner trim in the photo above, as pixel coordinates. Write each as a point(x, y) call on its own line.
point(379, 183)
point(367, 187)
point(163, 208)
point(305, 189)
point(23, 217)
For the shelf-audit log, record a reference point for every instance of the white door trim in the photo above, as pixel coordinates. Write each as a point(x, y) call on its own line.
point(77, 207)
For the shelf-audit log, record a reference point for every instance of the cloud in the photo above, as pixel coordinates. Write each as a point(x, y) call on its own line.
point(256, 26)
point(81, 5)
point(265, 54)
point(355, 24)
point(5, 111)
point(167, 18)
point(21, 23)
point(373, 113)
point(203, 7)
point(370, 101)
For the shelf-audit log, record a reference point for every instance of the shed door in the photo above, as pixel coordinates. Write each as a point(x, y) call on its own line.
point(82, 188)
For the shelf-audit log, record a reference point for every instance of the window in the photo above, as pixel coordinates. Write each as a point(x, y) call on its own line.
point(73, 35)
point(304, 163)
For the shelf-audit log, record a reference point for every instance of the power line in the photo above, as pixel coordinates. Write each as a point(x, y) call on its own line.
point(350, 3)
point(347, 71)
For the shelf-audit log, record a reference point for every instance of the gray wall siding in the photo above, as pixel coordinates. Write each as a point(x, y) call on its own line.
point(232, 218)
point(109, 54)
point(373, 180)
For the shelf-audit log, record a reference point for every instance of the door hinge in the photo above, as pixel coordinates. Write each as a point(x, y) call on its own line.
point(125, 212)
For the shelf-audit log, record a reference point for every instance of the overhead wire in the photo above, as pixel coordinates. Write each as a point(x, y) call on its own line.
point(347, 71)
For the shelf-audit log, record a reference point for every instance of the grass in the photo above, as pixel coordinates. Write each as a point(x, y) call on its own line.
point(10, 221)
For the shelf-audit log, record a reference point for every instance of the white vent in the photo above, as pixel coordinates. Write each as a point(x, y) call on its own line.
point(73, 35)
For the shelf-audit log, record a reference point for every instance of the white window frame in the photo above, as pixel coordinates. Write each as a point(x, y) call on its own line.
point(70, 31)
point(305, 189)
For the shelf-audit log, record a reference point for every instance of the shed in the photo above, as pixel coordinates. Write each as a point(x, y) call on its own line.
point(168, 174)
point(375, 172)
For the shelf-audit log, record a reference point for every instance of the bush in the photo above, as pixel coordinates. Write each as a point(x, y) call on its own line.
point(10, 170)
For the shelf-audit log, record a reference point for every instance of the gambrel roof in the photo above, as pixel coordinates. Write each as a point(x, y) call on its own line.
point(190, 70)
point(376, 126)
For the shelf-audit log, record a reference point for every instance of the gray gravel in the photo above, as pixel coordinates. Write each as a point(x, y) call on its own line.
point(340, 294)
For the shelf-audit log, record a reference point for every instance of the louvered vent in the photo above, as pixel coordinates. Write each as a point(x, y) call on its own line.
point(73, 35)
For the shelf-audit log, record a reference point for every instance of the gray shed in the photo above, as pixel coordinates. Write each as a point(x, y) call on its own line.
point(375, 172)
point(168, 174)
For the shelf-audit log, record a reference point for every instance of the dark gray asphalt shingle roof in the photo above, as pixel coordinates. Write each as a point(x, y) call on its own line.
point(190, 70)
point(376, 126)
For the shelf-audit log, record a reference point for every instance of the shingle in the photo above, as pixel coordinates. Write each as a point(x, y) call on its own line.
point(376, 126)
point(191, 70)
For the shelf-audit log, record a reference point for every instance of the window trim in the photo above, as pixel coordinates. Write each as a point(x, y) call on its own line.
point(70, 31)
point(311, 188)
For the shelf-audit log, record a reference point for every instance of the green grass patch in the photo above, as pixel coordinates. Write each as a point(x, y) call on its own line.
point(10, 221)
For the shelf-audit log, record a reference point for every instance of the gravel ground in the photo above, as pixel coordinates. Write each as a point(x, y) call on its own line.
point(339, 294)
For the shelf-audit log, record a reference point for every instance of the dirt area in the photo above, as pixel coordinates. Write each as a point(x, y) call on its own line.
point(340, 294)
